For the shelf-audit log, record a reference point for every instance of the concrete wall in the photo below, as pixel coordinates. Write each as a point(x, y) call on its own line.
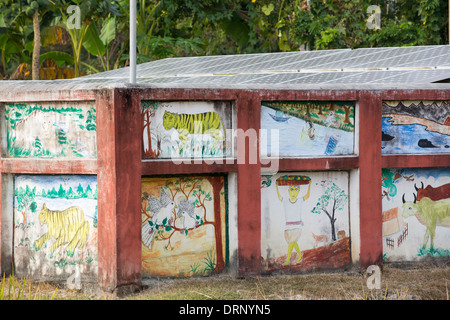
point(254, 231)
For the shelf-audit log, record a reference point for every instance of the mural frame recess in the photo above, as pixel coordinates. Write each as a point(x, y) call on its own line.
point(187, 129)
point(306, 226)
point(415, 127)
point(416, 213)
point(168, 212)
point(49, 130)
point(56, 226)
point(308, 128)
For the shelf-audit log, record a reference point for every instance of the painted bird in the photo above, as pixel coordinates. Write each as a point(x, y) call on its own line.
point(162, 214)
point(186, 210)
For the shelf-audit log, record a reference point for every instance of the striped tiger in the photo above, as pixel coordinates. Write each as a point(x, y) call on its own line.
point(65, 227)
point(198, 123)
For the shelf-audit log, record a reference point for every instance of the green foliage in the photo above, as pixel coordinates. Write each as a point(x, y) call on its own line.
point(26, 199)
point(91, 120)
point(209, 263)
point(173, 28)
point(334, 199)
point(342, 24)
point(433, 252)
point(333, 195)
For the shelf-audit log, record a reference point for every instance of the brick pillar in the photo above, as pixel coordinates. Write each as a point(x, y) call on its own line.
point(249, 180)
point(119, 185)
point(371, 251)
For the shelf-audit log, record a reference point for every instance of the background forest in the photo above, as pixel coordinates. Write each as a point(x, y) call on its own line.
point(38, 39)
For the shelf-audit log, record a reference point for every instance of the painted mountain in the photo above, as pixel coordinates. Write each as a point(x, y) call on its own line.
point(416, 127)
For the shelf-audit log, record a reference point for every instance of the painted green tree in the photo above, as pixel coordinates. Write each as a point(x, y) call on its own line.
point(37, 146)
point(91, 120)
point(334, 199)
point(26, 201)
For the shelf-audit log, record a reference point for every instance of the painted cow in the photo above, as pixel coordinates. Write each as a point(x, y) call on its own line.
point(434, 193)
point(430, 213)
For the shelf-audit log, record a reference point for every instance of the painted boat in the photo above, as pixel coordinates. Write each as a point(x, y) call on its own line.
point(279, 117)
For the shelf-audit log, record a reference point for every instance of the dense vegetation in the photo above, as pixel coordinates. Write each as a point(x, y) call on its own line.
point(48, 39)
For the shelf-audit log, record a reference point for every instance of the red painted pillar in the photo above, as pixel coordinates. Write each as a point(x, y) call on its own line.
point(371, 250)
point(119, 185)
point(249, 180)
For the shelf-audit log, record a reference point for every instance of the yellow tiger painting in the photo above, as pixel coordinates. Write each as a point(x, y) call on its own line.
point(65, 227)
point(197, 123)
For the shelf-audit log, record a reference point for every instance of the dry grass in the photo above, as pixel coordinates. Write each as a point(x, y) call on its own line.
point(424, 282)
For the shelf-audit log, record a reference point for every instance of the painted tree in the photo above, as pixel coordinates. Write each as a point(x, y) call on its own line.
point(191, 190)
point(38, 146)
point(334, 199)
point(147, 114)
point(91, 120)
point(80, 190)
point(26, 201)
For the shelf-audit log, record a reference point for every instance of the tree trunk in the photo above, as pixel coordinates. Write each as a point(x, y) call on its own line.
point(149, 135)
point(37, 47)
point(333, 229)
point(347, 114)
point(333, 220)
point(217, 184)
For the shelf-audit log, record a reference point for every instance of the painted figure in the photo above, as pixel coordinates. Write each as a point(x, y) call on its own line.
point(293, 213)
point(65, 227)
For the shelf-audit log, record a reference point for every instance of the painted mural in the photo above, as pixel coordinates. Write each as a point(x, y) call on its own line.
point(60, 130)
point(186, 129)
point(55, 225)
point(416, 127)
point(183, 226)
point(308, 128)
point(416, 213)
point(305, 221)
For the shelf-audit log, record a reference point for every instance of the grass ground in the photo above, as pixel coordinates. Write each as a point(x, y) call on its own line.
point(418, 282)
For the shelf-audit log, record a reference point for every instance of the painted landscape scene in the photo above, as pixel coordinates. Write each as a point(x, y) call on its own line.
point(416, 213)
point(416, 127)
point(304, 221)
point(310, 128)
point(184, 230)
point(55, 225)
point(51, 131)
point(189, 129)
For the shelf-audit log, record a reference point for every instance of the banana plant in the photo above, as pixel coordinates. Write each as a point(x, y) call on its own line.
point(86, 34)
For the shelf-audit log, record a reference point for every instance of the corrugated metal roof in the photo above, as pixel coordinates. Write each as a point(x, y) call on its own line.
point(344, 68)
point(424, 64)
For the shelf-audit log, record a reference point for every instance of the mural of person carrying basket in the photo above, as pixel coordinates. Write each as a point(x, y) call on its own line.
point(292, 206)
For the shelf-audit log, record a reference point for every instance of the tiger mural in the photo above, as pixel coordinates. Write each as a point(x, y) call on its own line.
point(65, 227)
point(197, 123)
